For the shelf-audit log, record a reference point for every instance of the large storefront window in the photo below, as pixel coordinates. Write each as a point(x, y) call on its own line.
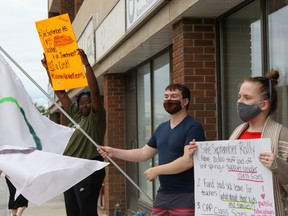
point(161, 79)
point(144, 122)
point(152, 78)
point(278, 52)
point(243, 51)
point(240, 58)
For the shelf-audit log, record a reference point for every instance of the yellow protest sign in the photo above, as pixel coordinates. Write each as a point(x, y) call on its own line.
point(60, 47)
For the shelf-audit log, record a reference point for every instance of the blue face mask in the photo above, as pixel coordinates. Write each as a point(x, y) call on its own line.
point(247, 112)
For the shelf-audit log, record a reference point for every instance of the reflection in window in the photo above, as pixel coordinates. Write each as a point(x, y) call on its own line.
point(144, 123)
point(161, 81)
point(151, 83)
point(256, 49)
point(241, 57)
point(278, 52)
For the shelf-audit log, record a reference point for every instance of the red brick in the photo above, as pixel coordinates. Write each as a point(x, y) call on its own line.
point(194, 65)
point(203, 28)
point(204, 71)
point(209, 36)
point(204, 43)
point(210, 79)
point(205, 86)
point(193, 35)
point(194, 78)
point(192, 49)
point(204, 57)
point(114, 101)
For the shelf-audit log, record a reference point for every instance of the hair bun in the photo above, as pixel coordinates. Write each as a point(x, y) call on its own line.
point(273, 75)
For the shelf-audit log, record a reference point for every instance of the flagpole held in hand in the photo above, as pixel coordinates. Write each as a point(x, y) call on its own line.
point(71, 119)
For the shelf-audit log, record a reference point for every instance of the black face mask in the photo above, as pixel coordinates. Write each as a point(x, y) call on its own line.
point(248, 112)
point(172, 106)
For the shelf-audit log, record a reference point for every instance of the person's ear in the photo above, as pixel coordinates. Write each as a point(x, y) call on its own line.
point(264, 105)
point(185, 101)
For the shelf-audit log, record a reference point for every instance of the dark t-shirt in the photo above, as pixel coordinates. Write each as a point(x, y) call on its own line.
point(94, 125)
point(170, 145)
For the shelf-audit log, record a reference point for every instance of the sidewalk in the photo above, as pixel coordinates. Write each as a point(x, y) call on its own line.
point(54, 207)
point(3, 197)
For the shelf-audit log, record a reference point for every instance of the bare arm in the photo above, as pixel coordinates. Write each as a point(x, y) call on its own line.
point(179, 165)
point(92, 82)
point(133, 155)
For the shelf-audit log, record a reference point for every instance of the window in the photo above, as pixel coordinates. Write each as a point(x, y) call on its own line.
point(240, 58)
point(144, 123)
point(243, 51)
point(152, 78)
point(278, 52)
point(161, 80)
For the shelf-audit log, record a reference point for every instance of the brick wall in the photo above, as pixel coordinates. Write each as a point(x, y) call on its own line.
point(68, 6)
point(194, 64)
point(114, 101)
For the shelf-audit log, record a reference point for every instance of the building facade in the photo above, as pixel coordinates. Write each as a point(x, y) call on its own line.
point(138, 47)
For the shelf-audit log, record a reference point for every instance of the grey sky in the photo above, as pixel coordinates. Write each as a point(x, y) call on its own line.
point(19, 38)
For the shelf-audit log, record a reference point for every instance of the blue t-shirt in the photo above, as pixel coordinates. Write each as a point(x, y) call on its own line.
point(170, 146)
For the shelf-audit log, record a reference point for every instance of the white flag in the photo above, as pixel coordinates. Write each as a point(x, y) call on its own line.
point(39, 176)
point(31, 145)
point(21, 123)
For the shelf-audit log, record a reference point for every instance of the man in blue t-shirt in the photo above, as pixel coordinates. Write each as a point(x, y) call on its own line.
point(170, 140)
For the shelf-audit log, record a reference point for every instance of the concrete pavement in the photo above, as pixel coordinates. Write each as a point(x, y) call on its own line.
point(3, 197)
point(54, 207)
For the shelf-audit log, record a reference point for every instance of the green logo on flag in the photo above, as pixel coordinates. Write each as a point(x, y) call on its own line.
point(31, 130)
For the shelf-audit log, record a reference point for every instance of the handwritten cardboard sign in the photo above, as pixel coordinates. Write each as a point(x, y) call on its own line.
point(230, 179)
point(60, 47)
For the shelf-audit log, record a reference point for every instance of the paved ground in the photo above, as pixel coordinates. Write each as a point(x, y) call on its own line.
point(54, 207)
point(3, 197)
